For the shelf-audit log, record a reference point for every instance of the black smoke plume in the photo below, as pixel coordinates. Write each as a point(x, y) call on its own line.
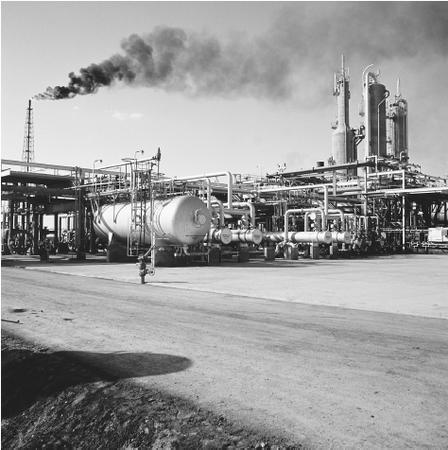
point(306, 38)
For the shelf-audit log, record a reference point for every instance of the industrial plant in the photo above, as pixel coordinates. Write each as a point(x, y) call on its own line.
point(365, 198)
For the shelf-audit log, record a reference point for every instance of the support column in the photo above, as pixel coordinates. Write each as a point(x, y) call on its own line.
point(41, 226)
point(35, 232)
point(56, 230)
point(80, 218)
point(314, 251)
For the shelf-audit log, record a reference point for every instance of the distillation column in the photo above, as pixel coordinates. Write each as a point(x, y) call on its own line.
point(343, 149)
point(398, 130)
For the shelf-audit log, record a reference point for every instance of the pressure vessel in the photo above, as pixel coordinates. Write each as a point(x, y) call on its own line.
point(400, 128)
point(183, 220)
point(378, 94)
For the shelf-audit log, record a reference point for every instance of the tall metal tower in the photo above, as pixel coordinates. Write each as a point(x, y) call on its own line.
point(28, 140)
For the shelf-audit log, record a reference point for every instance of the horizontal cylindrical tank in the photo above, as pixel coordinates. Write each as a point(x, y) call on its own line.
point(183, 220)
point(343, 237)
point(316, 237)
point(254, 236)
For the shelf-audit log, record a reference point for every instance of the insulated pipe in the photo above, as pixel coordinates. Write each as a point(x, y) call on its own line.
point(254, 236)
point(341, 238)
point(303, 237)
point(220, 236)
point(302, 210)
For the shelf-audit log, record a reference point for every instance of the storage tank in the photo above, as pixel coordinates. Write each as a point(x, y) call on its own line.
point(183, 220)
point(377, 118)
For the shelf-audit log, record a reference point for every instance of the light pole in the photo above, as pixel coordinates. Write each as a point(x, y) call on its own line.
point(142, 152)
point(93, 171)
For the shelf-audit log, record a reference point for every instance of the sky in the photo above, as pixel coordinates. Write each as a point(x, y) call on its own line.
point(218, 86)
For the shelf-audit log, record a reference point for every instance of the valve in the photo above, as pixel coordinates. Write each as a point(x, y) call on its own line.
point(143, 271)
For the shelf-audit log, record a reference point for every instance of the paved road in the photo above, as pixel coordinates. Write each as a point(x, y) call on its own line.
point(330, 377)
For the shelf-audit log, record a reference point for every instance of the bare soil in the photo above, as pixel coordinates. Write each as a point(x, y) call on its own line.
point(53, 400)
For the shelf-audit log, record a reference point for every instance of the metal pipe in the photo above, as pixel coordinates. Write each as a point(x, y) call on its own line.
point(228, 174)
point(221, 212)
point(326, 200)
point(251, 207)
point(341, 215)
point(302, 210)
point(254, 236)
point(300, 237)
point(341, 238)
point(220, 235)
point(294, 188)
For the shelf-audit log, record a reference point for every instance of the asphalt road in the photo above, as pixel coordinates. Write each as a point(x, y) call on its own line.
point(328, 377)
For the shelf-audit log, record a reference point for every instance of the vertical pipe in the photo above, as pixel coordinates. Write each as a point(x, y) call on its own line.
point(403, 213)
point(403, 219)
point(365, 191)
point(11, 217)
point(326, 193)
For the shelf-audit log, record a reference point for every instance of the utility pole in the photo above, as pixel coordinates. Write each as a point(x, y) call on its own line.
point(28, 141)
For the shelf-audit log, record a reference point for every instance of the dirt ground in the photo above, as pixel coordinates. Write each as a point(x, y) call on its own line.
point(53, 400)
point(319, 376)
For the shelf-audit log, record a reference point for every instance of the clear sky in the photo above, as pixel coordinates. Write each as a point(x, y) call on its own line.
point(251, 88)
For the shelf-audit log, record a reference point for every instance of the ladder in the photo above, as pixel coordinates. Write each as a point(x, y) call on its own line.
point(139, 189)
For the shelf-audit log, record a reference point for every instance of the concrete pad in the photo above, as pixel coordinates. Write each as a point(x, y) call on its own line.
point(400, 284)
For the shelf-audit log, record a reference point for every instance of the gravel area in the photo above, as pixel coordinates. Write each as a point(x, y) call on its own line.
point(51, 400)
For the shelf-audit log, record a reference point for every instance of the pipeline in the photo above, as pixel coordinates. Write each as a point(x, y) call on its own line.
point(251, 207)
point(220, 236)
point(207, 176)
point(254, 236)
point(305, 237)
point(304, 210)
point(341, 237)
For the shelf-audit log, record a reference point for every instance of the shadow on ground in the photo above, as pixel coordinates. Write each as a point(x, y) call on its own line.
point(28, 376)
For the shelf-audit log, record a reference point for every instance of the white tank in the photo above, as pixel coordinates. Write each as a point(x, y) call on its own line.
point(183, 220)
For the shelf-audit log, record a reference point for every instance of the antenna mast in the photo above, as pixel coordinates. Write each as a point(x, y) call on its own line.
point(28, 141)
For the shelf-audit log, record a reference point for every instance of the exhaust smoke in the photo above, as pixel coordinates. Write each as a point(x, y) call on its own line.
point(173, 60)
point(292, 58)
